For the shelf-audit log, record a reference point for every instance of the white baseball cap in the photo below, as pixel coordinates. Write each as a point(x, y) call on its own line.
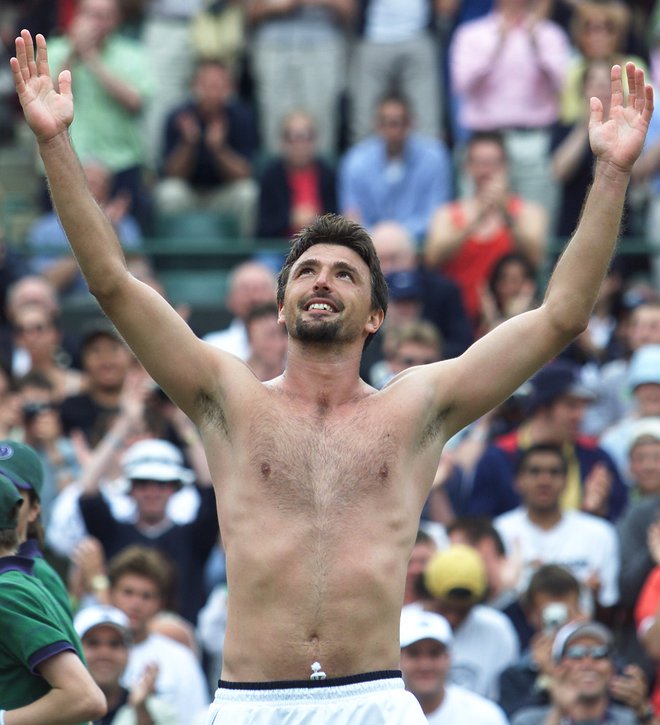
point(418, 624)
point(98, 614)
point(154, 459)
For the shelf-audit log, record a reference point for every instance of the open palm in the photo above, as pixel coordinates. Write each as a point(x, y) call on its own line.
point(46, 111)
point(619, 140)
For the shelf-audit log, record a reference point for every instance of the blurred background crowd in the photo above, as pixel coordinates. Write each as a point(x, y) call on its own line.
point(457, 133)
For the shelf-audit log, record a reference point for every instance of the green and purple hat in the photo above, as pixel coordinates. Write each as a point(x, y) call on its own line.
point(22, 466)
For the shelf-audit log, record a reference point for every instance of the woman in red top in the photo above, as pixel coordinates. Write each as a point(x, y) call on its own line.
point(468, 236)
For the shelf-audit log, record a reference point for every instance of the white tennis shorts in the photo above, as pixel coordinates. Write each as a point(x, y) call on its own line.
point(374, 698)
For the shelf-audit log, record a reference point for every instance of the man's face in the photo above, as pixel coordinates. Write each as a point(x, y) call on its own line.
point(151, 499)
point(212, 87)
point(328, 296)
point(102, 16)
point(425, 665)
point(543, 599)
point(644, 463)
point(647, 398)
point(412, 353)
point(541, 481)
point(419, 558)
point(268, 340)
point(454, 609)
point(138, 597)
point(106, 653)
point(299, 141)
point(394, 251)
point(645, 326)
point(106, 362)
point(252, 286)
point(393, 125)
point(485, 161)
point(589, 669)
point(565, 417)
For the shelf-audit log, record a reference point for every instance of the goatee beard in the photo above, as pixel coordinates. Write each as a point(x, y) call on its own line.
point(319, 331)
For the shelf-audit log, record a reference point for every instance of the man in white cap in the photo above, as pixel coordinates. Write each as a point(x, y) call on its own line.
point(426, 640)
point(155, 470)
point(105, 635)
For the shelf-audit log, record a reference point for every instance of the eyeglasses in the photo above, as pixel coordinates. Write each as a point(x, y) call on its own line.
point(580, 651)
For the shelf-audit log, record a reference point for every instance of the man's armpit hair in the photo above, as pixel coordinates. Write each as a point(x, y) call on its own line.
point(211, 411)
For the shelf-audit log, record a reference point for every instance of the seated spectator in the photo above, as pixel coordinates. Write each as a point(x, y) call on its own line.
point(251, 284)
point(467, 237)
point(644, 386)
point(113, 85)
point(106, 641)
point(554, 408)
point(37, 334)
point(395, 174)
point(298, 185)
point(106, 361)
point(426, 653)
point(584, 682)
point(48, 247)
point(208, 148)
point(155, 471)
point(512, 288)
point(140, 580)
point(268, 342)
point(544, 534)
point(551, 600)
point(484, 641)
point(440, 297)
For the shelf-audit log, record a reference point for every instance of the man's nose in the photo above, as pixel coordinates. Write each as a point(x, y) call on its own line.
point(322, 280)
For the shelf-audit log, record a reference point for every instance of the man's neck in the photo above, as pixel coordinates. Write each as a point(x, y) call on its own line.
point(323, 375)
point(105, 397)
point(114, 695)
point(588, 710)
point(545, 519)
point(539, 431)
point(431, 703)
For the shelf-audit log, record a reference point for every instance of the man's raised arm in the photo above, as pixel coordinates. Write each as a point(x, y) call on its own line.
point(158, 336)
point(497, 364)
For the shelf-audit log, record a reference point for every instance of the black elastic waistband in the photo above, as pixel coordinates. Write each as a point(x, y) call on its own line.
point(297, 684)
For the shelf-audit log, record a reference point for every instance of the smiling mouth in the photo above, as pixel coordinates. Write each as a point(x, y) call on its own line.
point(320, 306)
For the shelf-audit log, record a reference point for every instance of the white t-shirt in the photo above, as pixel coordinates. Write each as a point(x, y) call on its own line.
point(583, 543)
point(462, 706)
point(180, 678)
point(484, 644)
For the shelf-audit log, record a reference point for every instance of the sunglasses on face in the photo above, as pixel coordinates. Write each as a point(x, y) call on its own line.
point(580, 651)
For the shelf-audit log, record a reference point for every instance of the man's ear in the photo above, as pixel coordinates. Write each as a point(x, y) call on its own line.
point(375, 321)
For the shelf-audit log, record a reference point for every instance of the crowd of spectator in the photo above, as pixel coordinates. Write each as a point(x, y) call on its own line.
point(457, 133)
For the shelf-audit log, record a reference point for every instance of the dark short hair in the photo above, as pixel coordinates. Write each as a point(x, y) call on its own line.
point(526, 453)
point(268, 309)
point(495, 137)
point(145, 562)
point(551, 579)
point(476, 529)
point(336, 229)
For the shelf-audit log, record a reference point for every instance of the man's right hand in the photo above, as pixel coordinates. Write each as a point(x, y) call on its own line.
point(47, 112)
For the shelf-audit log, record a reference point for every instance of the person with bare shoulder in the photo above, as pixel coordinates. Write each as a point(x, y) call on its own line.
point(320, 479)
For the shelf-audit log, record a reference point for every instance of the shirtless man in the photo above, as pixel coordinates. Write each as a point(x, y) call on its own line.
point(319, 478)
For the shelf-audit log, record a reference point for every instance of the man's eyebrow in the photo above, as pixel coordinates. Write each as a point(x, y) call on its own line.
point(339, 264)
